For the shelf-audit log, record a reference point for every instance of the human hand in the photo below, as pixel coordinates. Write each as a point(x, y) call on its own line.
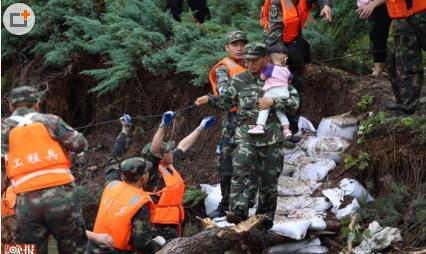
point(327, 12)
point(201, 100)
point(265, 103)
point(126, 123)
point(167, 118)
point(206, 123)
point(365, 11)
point(104, 239)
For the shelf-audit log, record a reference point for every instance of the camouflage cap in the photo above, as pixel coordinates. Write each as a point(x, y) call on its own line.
point(134, 168)
point(167, 147)
point(255, 50)
point(25, 94)
point(278, 48)
point(236, 36)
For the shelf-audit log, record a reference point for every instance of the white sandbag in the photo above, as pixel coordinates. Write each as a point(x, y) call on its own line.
point(289, 186)
point(293, 154)
point(291, 157)
point(343, 126)
point(318, 223)
point(335, 195)
point(315, 169)
point(294, 246)
point(292, 228)
point(313, 250)
point(305, 125)
point(353, 188)
point(327, 148)
point(291, 166)
point(214, 195)
point(316, 218)
point(377, 239)
point(287, 205)
point(348, 210)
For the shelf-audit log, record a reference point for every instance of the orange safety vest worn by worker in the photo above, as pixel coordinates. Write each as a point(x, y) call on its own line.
point(293, 17)
point(8, 200)
point(119, 203)
point(233, 69)
point(398, 8)
point(169, 209)
point(35, 160)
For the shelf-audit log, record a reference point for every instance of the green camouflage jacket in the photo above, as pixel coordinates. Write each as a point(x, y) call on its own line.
point(243, 92)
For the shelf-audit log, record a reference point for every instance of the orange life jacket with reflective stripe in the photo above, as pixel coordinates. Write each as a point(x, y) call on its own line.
point(398, 8)
point(293, 17)
point(119, 203)
point(35, 160)
point(233, 69)
point(169, 209)
point(8, 200)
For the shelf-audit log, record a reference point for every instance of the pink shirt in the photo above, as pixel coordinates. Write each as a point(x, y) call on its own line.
point(276, 76)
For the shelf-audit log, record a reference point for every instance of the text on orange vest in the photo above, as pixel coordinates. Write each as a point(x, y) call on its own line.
point(35, 160)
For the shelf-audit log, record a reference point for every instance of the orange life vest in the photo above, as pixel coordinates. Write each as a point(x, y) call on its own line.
point(233, 69)
point(8, 201)
point(293, 17)
point(169, 209)
point(120, 202)
point(35, 160)
point(398, 8)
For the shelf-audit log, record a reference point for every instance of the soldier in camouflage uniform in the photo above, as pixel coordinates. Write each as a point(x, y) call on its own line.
point(235, 42)
point(406, 67)
point(54, 210)
point(144, 237)
point(298, 49)
point(263, 151)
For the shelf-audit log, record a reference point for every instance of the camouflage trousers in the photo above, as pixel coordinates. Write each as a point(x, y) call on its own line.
point(53, 211)
point(406, 67)
point(224, 161)
point(268, 161)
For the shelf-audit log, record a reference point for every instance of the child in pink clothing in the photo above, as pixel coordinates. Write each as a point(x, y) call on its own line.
point(277, 76)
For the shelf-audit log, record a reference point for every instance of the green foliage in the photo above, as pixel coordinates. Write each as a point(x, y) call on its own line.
point(367, 126)
point(341, 38)
point(388, 209)
point(193, 196)
point(361, 162)
point(365, 102)
point(129, 36)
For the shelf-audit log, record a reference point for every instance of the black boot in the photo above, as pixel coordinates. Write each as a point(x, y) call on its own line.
point(219, 212)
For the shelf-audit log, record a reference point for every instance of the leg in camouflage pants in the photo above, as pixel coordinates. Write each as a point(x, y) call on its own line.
point(53, 211)
point(229, 123)
point(269, 163)
point(406, 68)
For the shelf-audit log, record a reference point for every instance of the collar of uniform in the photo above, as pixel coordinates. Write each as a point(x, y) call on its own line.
point(22, 111)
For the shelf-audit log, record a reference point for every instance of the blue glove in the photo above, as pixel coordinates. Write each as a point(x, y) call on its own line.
point(206, 123)
point(167, 119)
point(126, 123)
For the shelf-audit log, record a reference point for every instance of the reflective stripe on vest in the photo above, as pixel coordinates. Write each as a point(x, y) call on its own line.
point(119, 203)
point(8, 201)
point(398, 8)
point(292, 18)
point(233, 69)
point(169, 209)
point(35, 160)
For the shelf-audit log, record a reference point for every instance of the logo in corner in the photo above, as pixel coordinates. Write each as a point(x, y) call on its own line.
point(19, 19)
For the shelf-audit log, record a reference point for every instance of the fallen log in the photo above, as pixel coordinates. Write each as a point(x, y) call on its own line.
point(245, 237)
